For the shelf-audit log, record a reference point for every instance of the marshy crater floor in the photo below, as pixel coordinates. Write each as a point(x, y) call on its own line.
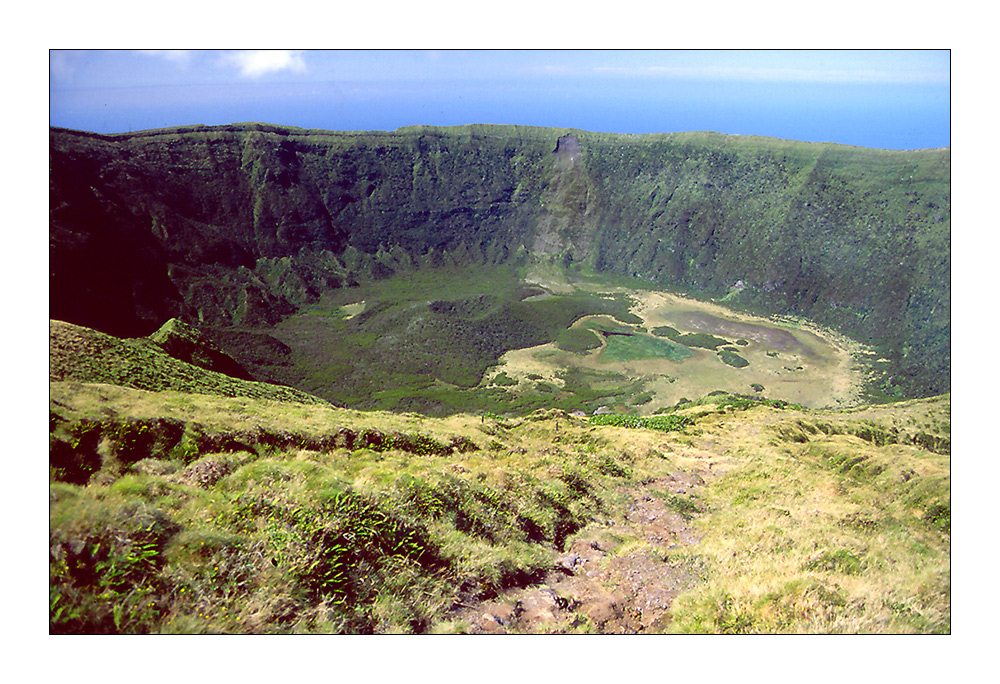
point(788, 360)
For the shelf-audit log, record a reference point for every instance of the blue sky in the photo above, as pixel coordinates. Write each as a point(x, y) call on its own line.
point(881, 98)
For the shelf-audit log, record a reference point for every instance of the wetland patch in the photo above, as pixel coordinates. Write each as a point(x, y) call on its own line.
point(775, 338)
point(693, 348)
point(634, 347)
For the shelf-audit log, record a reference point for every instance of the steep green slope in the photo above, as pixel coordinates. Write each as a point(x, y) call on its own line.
point(241, 225)
point(855, 239)
point(83, 355)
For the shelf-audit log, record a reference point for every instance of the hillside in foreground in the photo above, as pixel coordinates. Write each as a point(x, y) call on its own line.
point(195, 511)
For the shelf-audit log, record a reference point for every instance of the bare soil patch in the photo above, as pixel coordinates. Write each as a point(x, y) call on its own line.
point(616, 578)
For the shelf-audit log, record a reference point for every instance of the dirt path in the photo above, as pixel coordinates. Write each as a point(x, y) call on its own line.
point(618, 578)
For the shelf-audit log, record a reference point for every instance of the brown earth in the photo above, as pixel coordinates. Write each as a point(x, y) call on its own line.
point(615, 578)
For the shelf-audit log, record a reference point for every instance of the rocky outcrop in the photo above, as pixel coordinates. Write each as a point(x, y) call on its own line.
point(187, 343)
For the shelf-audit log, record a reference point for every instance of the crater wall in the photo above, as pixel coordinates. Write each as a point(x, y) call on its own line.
point(240, 225)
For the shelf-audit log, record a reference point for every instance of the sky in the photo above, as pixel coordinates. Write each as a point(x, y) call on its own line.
point(890, 99)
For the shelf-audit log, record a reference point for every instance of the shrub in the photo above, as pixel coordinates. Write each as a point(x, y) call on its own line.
point(663, 423)
point(731, 358)
point(578, 340)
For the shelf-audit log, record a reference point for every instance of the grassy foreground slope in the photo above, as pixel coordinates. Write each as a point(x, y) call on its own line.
point(183, 512)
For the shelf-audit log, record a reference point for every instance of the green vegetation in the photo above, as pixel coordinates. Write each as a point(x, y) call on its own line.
point(84, 355)
point(740, 401)
point(426, 338)
point(830, 559)
point(686, 506)
point(209, 514)
point(503, 380)
point(608, 326)
point(393, 272)
point(731, 358)
point(662, 423)
point(631, 347)
point(302, 524)
point(826, 539)
point(665, 331)
point(701, 340)
point(724, 400)
point(578, 340)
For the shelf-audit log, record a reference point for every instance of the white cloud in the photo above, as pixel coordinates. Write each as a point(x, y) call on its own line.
point(257, 63)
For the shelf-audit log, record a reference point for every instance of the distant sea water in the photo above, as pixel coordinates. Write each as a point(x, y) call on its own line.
point(888, 116)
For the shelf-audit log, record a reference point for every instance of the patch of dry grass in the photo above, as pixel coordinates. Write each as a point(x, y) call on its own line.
point(830, 534)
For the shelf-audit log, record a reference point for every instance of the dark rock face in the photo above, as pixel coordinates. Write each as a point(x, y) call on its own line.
point(106, 267)
point(240, 225)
